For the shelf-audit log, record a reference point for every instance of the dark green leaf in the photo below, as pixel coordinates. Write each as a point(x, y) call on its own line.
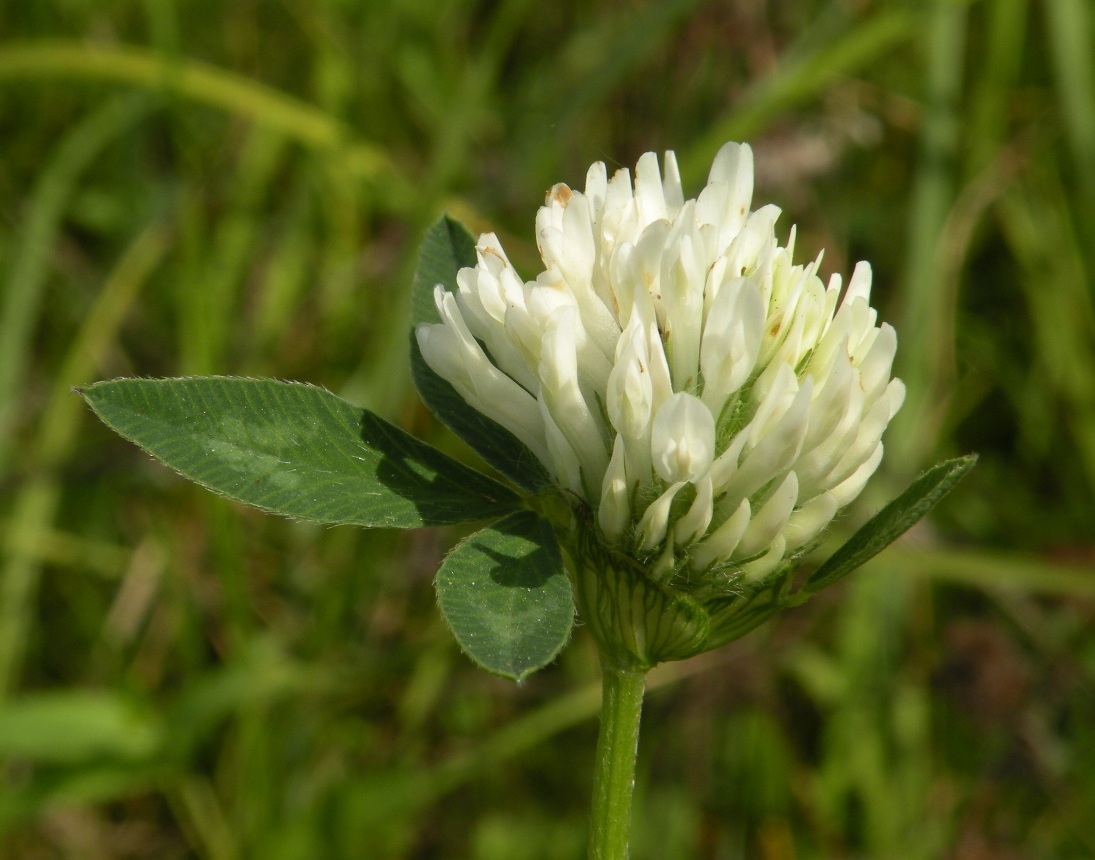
point(446, 248)
point(891, 522)
point(296, 450)
point(506, 596)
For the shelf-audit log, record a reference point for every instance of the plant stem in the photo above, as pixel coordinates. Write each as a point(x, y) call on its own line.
point(614, 776)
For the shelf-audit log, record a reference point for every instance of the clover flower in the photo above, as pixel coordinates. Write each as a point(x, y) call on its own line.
point(711, 403)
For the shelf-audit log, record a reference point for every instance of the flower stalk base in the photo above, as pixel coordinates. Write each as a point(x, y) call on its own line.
point(614, 774)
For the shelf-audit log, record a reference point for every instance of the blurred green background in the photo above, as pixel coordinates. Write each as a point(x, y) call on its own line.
point(238, 187)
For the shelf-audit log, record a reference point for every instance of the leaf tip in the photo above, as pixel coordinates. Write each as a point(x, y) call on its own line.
point(901, 514)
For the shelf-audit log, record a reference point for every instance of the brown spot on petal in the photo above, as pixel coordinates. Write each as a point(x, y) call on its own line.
point(560, 193)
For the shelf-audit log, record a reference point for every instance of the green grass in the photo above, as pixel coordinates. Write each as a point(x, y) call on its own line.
point(239, 189)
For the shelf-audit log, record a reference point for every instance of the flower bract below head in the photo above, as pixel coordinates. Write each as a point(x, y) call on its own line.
point(711, 403)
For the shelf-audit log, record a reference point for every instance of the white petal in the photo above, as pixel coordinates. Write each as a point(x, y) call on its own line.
point(655, 520)
point(683, 277)
point(560, 458)
point(698, 517)
point(564, 235)
point(868, 432)
point(846, 492)
point(875, 368)
point(452, 353)
point(807, 522)
point(561, 391)
point(614, 512)
point(725, 201)
point(756, 237)
point(682, 439)
point(486, 294)
point(773, 392)
point(895, 394)
point(770, 519)
point(731, 341)
point(815, 465)
point(726, 465)
point(859, 287)
point(618, 221)
point(671, 185)
point(761, 567)
point(661, 384)
point(720, 544)
point(832, 402)
point(649, 193)
point(596, 187)
point(629, 401)
point(775, 450)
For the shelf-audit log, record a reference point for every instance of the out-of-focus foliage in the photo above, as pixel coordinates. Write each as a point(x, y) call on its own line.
point(239, 188)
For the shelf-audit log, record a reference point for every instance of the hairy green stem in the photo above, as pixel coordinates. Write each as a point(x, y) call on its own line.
point(614, 776)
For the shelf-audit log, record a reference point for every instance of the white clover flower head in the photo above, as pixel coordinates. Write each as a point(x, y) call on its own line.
point(712, 403)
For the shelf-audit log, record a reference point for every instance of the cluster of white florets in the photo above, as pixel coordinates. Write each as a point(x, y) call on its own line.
point(712, 402)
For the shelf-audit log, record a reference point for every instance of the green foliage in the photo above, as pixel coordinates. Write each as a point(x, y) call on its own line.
point(241, 189)
point(296, 450)
point(506, 596)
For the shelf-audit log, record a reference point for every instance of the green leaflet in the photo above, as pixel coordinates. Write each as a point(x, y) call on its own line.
point(506, 596)
point(446, 248)
point(891, 522)
point(296, 450)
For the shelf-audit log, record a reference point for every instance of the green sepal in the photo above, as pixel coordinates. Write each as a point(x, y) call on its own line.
point(636, 621)
point(737, 614)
